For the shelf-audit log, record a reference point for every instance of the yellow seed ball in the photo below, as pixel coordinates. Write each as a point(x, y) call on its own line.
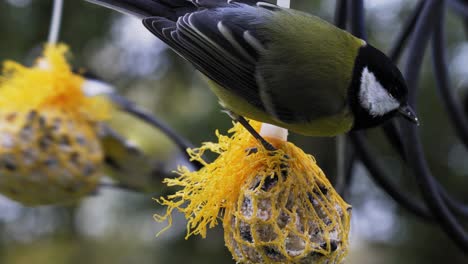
point(47, 157)
point(289, 214)
point(49, 147)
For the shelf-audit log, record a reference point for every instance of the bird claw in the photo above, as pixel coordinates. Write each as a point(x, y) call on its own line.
point(250, 129)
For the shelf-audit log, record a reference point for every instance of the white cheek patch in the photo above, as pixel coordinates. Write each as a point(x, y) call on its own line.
point(373, 97)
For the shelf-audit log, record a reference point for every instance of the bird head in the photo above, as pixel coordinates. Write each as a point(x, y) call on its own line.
point(378, 90)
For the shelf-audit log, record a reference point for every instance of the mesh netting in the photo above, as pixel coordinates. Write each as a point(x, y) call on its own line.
point(277, 207)
point(288, 213)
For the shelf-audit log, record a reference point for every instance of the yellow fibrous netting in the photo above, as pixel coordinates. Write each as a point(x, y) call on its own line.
point(276, 207)
point(49, 145)
point(49, 84)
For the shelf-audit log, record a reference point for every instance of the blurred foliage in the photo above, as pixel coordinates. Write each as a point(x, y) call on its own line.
point(117, 227)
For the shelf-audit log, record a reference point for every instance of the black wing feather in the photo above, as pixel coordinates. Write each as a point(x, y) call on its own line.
point(226, 58)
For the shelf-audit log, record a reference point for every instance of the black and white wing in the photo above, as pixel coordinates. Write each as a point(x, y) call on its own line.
point(221, 40)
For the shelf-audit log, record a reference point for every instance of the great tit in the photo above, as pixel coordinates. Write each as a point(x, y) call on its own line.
point(278, 65)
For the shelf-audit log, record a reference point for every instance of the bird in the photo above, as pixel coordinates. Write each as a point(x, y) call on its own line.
point(279, 65)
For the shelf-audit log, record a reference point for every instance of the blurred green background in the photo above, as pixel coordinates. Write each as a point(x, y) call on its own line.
point(115, 226)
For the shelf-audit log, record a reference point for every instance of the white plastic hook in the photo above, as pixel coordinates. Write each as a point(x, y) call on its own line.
point(284, 3)
point(55, 21)
point(54, 30)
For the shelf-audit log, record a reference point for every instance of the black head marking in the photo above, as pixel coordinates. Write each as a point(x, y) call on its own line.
point(387, 75)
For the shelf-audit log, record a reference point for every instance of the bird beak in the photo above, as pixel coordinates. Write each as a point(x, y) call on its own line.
point(408, 113)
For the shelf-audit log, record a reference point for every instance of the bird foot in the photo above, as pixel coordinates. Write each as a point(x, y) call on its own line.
point(251, 130)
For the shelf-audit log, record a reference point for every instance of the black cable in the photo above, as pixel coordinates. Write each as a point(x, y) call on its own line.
point(451, 103)
point(465, 102)
point(381, 178)
point(341, 13)
point(393, 134)
point(439, 62)
point(417, 48)
point(357, 16)
point(465, 25)
point(397, 49)
point(134, 110)
point(430, 190)
point(459, 6)
point(350, 162)
point(416, 158)
point(457, 207)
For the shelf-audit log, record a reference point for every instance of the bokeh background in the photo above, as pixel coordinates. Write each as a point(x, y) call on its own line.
point(116, 226)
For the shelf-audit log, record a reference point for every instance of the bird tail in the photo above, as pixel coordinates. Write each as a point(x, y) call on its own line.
point(170, 9)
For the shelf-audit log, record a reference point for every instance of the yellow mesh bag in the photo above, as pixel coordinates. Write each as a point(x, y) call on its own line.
point(49, 145)
point(276, 207)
